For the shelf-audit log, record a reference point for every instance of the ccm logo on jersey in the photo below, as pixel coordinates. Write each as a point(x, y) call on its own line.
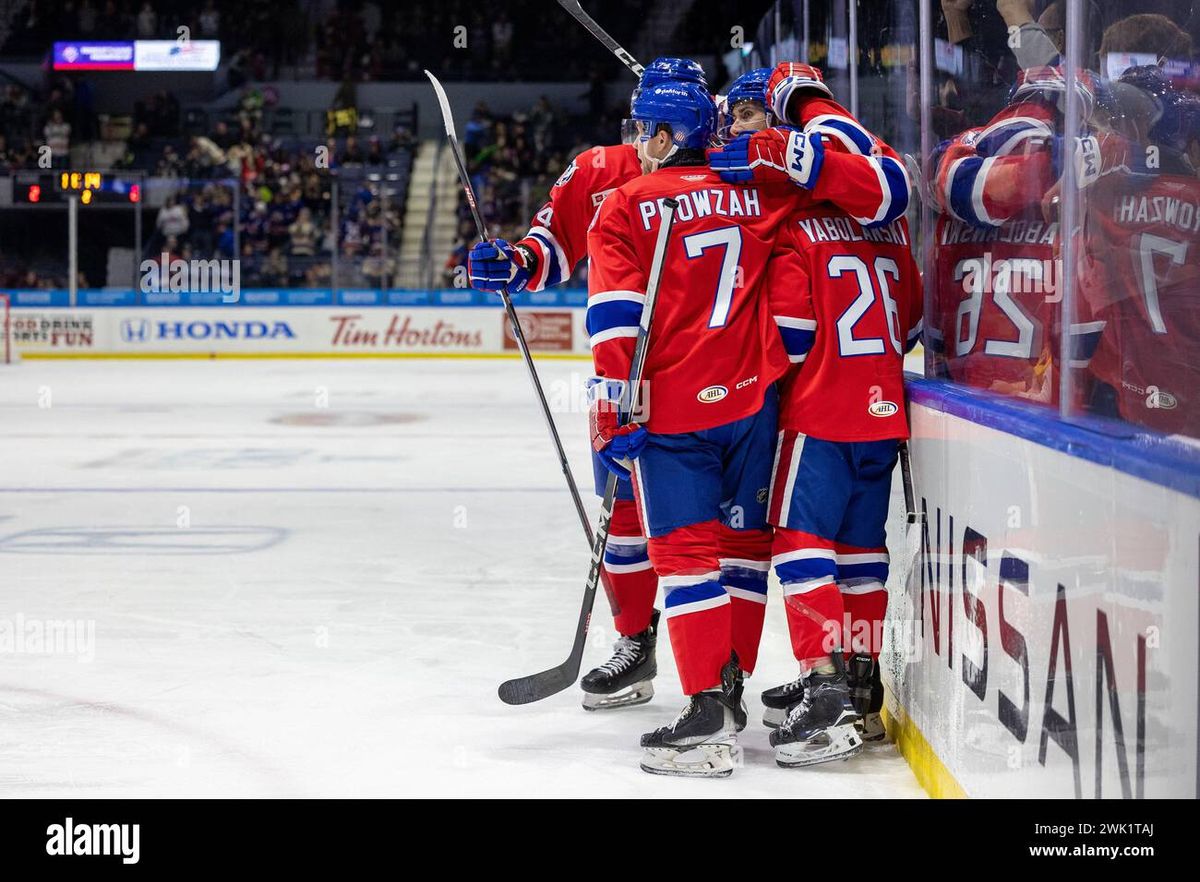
point(882, 409)
point(711, 393)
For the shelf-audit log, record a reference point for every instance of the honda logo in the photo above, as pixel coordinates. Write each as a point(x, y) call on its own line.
point(135, 330)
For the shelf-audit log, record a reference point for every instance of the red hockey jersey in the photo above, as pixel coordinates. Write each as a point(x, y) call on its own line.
point(996, 299)
point(713, 346)
point(558, 234)
point(861, 174)
point(1140, 278)
point(847, 302)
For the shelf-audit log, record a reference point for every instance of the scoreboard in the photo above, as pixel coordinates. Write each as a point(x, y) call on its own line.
point(91, 186)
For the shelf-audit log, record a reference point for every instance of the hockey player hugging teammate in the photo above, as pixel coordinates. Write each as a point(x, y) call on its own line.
point(702, 456)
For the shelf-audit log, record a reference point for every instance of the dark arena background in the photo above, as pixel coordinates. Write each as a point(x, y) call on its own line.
point(281, 510)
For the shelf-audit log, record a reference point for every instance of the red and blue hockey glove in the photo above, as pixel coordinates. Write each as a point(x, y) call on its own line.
point(770, 155)
point(616, 444)
point(790, 78)
point(496, 264)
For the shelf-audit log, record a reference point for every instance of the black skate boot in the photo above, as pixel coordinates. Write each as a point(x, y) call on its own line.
point(866, 694)
point(740, 714)
point(624, 680)
point(778, 701)
point(702, 741)
point(821, 727)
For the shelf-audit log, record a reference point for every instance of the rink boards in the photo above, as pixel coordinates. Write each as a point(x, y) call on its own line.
point(1045, 643)
point(292, 323)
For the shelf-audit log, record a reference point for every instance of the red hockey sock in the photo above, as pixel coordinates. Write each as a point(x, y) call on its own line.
point(632, 576)
point(745, 562)
point(862, 575)
point(696, 605)
point(807, 567)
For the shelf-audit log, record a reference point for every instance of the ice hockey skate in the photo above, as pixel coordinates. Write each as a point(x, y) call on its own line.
point(866, 694)
point(778, 700)
point(626, 679)
point(702, 741)
point(821, 727)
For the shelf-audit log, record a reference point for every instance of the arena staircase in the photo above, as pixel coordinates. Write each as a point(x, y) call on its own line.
point(430, 221)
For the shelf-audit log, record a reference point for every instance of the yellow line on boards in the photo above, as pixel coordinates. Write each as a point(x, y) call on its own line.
point(931, 772)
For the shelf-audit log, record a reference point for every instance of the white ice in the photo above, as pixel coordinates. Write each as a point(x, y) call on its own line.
point(307, 578)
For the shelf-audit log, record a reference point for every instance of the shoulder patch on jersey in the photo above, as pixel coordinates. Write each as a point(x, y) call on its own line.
point(692, 178)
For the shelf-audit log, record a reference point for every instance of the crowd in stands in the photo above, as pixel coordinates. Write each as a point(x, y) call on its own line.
point(339, 39)
point(513, 161)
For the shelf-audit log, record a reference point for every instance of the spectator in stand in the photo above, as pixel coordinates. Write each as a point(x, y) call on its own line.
point(303, 234)
point(210, 20)
point(353, 154)
point(171, 225)
point(58, 138)
point(147, 22)
point(375, 152)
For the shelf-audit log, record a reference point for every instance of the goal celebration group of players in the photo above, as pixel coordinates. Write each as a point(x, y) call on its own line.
point(771, 405)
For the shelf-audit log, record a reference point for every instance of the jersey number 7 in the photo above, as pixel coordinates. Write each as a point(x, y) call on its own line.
point(730, 239)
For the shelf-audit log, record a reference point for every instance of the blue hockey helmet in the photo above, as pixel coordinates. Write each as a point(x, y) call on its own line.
point(678, 70)
point(1174, 115)
point(750, 86)
point(668, 70)
point(1049, 83)
point(685, 107)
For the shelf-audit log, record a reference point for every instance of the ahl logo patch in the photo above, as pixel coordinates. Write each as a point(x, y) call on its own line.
point(692, 178)
point(882, 409)
point(711, 394)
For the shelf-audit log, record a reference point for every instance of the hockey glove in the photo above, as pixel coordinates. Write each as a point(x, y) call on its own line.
point(770, 155)
point(788, 79)
point(616, 444)
point(496, 264)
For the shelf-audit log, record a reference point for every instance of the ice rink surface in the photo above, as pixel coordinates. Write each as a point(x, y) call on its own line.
point(307, 578)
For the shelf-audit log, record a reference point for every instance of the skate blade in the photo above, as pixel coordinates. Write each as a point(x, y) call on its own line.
point(711, 760)
point(871, 729)
point(773, 717)
point(844, 742)
point(638, 693)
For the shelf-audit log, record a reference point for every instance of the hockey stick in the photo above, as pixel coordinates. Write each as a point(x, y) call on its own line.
point(573, 7)
point(913, 518)
point(518, 333)
point(535, 687)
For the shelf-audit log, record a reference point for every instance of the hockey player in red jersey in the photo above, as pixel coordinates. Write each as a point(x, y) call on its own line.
point(820, 147)
point(830, 156)
point(1139, 274)
point(847, 300)
point(546, 256)
point(996, 314)
point(703, 453)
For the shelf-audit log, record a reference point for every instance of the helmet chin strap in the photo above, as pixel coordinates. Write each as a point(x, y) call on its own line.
point(657, 163)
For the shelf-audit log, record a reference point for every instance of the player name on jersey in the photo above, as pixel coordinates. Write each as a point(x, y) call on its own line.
point(1016, 232)
point(843, 229)
point(706, 203)
point(1179, 213)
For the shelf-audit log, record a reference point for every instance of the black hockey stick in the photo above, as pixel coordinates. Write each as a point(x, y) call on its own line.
point(913, 518)
point(573, 7)
point(518, 333)
point(535, 687)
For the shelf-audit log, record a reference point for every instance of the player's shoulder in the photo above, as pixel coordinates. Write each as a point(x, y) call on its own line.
point(604, 162)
